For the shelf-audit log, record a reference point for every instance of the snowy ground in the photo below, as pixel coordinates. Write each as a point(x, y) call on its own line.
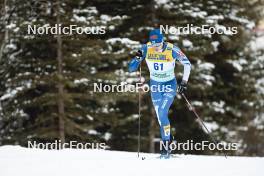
point(15, 160)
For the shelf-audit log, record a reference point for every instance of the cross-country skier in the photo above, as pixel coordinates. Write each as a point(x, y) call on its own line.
point(160, 57)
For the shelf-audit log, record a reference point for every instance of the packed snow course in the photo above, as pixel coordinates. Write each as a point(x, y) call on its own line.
point(19, 161)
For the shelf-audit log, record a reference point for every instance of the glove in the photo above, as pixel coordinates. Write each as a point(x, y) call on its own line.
point(182, 87)
point(139, 54)
point(134, 63)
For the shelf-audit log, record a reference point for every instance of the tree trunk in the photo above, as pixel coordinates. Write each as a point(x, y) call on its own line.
point(5, 38)
point(61, 113)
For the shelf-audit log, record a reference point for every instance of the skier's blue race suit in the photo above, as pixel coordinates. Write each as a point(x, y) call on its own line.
point(162, 79)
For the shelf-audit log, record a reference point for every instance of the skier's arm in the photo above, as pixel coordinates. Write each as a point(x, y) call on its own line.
point(180, 56)
point(135, 62)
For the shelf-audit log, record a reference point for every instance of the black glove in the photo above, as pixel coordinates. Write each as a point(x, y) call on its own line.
point(139, 54)
point(182, 87)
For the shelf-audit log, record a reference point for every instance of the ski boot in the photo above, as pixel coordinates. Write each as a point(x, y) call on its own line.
point(165, 150)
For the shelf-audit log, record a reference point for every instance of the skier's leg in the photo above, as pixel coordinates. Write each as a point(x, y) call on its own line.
point(163, 111)
point(156, 97)
point(162, 100)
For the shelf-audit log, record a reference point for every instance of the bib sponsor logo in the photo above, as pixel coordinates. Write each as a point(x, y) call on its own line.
point(161, 57)
point(160, 75)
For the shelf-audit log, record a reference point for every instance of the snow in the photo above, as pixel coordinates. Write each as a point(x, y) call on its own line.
point(205, 65)
point(125, 41)
point(111, 27)
point(219, 106)
point(236, 65)
point(81, 81)
point(211, 126)
point(249, 24)
point(258, 43)
point(10, 26)
point(147, 28)
point(187, 43)
point(107, 136)
point(258, 122)
point(166, 4)
point(79, 18)
point(208, 79)
point(11, 46)
point(122, 40)
point(197, 103)
point(205, 69)
point(215, 45)
point(105, 18)
point(15, 160)
point(87, 10)
point(92, 132)
point(173, 37)
point(11, 93)
point(215, 17)
point(89, 117)
point(161, 2)
point(201, 14)
point(260, 85)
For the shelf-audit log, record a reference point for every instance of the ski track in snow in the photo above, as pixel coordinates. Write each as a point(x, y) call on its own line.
point(16, 160)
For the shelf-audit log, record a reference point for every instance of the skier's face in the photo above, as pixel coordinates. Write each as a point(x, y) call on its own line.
point(157, 46)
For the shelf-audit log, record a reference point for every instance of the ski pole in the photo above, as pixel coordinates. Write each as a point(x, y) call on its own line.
point(191, 108)
point(139, 113)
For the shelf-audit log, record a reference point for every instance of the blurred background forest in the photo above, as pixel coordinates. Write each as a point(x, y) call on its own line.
point(46, 80)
